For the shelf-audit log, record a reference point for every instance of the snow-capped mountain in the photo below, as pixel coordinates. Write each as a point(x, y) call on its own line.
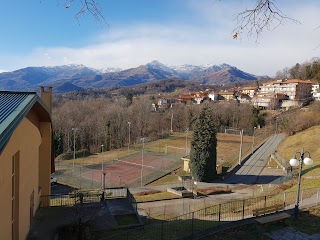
point(75, 77)
point(110, 70)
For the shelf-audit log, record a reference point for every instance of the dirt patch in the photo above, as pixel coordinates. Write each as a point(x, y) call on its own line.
point(212, 191)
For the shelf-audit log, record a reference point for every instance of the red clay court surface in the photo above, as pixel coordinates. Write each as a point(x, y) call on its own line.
point(124, 172)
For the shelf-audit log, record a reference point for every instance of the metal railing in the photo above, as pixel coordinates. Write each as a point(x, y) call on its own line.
point(82, 197)
point(189, 224)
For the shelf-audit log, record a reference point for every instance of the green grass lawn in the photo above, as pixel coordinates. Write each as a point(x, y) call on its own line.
point(309, 141)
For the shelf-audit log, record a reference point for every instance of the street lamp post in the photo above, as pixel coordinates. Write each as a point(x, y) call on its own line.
point(294, 162)
point(253, 140)
point(74, 146)
point(129, 123)
point(142, 140)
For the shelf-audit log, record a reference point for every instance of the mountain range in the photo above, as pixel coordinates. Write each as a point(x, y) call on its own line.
point(76, 77)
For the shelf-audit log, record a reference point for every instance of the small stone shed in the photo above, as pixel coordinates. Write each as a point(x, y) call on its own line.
point(186, 165)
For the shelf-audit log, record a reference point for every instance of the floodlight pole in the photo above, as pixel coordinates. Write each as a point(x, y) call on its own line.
point(241, 140)
point(104, 180)
point(102, 167)
point(171, 130)
point(129, 123)
point(187, 141)
point(253, 140)
point(74, 146)
point(142, 139)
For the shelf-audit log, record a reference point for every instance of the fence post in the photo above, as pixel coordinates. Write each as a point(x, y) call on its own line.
point(243, 209)
point(219, 213)
point(265, 201)
point(192, 224)
point(284, 200)
point(162, 229)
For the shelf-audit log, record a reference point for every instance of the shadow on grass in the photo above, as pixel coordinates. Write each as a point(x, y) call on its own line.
point(310, 169)
point(59, 188)
point(307, 222)
point(160, 230)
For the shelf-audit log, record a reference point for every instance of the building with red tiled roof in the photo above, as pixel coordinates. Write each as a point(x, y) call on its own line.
point(250, 91)
point(295, 89)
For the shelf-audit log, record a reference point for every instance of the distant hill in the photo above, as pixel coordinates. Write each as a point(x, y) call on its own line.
point(75, 77)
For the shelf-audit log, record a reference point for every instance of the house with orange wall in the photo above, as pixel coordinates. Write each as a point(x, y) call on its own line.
point(26, 160)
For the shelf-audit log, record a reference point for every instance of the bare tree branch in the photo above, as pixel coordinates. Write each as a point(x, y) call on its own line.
point(264, 15)
point(91, 7)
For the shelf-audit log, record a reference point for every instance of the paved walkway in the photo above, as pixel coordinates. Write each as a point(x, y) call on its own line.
point(291, 234)
point(251, 170)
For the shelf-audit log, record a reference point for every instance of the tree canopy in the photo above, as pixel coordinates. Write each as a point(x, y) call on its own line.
point(203, 153)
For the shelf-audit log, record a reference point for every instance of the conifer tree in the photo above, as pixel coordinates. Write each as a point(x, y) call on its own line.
point(203, 153)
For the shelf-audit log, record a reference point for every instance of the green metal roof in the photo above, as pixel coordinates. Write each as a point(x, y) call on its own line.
point(14, 106)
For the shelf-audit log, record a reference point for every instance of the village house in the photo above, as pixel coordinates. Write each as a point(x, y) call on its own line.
point(199, 97)
point(227, 96)
point(26, 159)
point(213, 96)
point(316, 91)
point(186, 99)
point(297, 91)
point(268, 100)
point(250, 91)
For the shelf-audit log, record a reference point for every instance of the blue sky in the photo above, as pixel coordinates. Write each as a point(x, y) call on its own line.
point(45, 33)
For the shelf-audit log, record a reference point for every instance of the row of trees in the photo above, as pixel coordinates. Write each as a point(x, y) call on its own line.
point(101, 121)
point(307, 70)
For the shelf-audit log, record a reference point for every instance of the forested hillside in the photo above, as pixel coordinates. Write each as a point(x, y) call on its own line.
point(105, 121)
point(304, 71)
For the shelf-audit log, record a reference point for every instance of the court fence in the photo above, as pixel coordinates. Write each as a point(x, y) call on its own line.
point(98, 175)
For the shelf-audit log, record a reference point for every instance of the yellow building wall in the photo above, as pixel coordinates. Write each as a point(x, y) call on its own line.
point(45, 158)
point(26, 140)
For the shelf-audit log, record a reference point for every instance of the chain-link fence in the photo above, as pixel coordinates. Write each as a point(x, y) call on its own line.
point(135, 169)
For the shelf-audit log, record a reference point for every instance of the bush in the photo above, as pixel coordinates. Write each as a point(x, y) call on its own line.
point(296, 120)
point(147, 192)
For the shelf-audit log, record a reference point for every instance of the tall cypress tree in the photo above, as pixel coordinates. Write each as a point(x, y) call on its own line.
point(203, 153)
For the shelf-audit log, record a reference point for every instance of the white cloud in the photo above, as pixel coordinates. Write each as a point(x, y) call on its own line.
point(210, 42)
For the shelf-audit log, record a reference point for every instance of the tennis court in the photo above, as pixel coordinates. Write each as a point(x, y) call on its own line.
point(133, 170)
point(129, 171)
